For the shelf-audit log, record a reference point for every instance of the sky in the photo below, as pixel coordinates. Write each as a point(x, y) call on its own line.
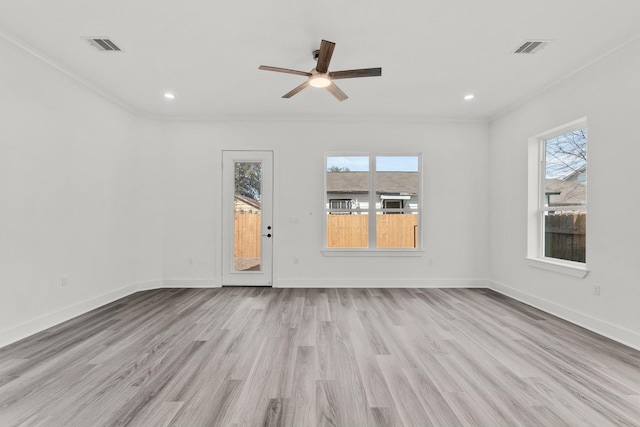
point(565, 154)
point(383, 163)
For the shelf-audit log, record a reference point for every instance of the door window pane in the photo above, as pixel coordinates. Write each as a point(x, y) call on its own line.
point(247, 216)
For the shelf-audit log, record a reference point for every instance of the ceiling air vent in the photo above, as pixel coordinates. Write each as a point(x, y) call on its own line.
point(103, 44)
point(532, 46)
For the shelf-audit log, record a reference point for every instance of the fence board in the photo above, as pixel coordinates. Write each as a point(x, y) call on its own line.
point(396, 231)
point(347, 231)
point(392, 231)
point(565, 235)
point(246, 235)
point(343, 231)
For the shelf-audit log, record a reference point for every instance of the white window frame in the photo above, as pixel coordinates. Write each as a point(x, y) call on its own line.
point(536, 204)
point(373, 210)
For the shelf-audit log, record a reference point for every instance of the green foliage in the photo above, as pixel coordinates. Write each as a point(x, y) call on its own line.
point(248, 179)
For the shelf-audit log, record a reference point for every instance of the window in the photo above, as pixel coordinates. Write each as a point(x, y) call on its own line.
point(392, 204)
point(362, 191)
point(558, 195)
point(340, 206)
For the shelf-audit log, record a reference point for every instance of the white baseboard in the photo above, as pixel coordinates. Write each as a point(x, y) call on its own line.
point(617, 333)
point(23, 330)
point(147, 285)
point(191, 283)
point(380, 283)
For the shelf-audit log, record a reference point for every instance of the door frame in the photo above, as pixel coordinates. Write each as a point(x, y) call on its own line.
point(228, 276)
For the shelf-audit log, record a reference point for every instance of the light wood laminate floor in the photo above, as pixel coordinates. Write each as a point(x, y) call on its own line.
point(318, 357)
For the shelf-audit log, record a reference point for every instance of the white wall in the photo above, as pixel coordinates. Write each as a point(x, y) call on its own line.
point(68, 195)
point(146, 145)
point(455, 205)
point(607, 94)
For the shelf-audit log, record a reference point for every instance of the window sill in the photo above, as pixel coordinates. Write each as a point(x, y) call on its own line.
point(373, 252)
point(568, 268)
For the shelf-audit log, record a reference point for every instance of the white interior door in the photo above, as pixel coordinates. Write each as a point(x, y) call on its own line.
point(247, 232)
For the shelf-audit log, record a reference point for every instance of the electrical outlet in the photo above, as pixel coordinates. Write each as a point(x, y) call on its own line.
point(430, 261)
point(296, 260)
point(191, 261)
point(596, 290)
point(65, 280)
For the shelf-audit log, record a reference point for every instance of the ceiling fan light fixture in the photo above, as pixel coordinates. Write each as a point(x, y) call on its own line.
point(319, 80)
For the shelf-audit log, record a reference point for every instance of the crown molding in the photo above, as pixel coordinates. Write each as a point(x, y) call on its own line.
point(545, 88)
point(40, 56)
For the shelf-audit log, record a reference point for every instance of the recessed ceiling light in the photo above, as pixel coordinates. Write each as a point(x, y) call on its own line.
point(169, 95)
point(469, 97)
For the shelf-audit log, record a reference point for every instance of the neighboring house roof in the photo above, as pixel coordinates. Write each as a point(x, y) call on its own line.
point(248, 200)
point(406, 183)
point(577, 175)
point(571, 192)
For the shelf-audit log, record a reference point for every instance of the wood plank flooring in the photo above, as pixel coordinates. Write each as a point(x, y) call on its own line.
point(318, 357)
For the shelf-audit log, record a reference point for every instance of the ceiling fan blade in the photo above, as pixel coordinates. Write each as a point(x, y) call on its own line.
point(296, 90)
point(284, 70)
point(349, 74)
point(335, 91)
point(324, 57)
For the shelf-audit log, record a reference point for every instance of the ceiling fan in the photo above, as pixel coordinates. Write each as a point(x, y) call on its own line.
point(320, 76)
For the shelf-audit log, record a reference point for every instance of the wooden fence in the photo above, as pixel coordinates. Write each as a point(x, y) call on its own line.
point(347, 231)
point(343, 231)
point(392, 231)
point(565, 236)
point(565, 233)
point(246, 235)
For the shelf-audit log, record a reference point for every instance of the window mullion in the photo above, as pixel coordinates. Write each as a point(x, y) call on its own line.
point(372, 201)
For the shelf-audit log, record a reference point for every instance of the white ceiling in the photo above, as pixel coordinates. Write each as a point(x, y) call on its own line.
point(432, 53)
